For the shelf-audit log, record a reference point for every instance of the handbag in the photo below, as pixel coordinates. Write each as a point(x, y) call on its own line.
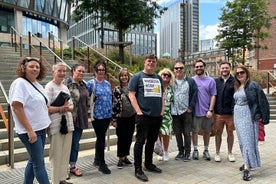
point(60, 99)
point(261, 133)
point(63, 129)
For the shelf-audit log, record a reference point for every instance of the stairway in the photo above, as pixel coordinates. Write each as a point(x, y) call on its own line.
point(9, 60)
point(272, 104)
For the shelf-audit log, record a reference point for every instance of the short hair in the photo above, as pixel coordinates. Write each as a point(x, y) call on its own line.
point(58, 64)
point(150, 56)
point(21, 68)
point(200, 60)
point(224, 62)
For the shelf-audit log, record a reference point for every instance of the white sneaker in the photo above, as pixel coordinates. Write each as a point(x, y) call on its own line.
point(231, 157)
point(166, 156)
point(217, 158)
point(160, 158)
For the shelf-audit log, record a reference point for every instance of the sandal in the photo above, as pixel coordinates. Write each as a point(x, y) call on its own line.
point(75, 171)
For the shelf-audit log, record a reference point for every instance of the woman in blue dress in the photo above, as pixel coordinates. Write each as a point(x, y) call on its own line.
point(251, 105)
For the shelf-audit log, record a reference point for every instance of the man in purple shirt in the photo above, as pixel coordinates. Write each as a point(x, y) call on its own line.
point(203, 113)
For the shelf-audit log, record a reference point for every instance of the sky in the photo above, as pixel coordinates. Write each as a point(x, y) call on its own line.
point(209, 14)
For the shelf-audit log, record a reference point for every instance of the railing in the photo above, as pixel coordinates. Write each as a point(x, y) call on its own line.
point(14, 42)
point(52, 37)
point(41, 47)
point(271, 82)
point(110, 62)
point(9, 124)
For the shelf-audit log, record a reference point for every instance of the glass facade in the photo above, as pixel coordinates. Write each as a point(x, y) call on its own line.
point(38, 16)
point(179, 29)
point(144, 41)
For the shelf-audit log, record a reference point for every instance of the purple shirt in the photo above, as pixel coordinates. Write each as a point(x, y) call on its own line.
point(206, 89)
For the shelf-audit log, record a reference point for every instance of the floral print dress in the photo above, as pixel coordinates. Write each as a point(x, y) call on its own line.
point(166, 126)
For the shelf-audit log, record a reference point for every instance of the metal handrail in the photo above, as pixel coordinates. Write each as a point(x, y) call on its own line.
point(10, 129)
point(269, 83)
point(114, 63)
point(40, 41)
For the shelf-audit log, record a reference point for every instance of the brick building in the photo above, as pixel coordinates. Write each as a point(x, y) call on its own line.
point(267, 57)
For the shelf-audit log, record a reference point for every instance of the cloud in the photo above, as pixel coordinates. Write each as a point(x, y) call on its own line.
point(208, 32)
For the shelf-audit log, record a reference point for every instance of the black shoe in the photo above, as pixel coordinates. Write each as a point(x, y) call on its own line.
point(127, 162)
point(96, 163)
point(179, 156)
point(141, 175)
point(120, 164)
point(153, 168)
point(187, 157)
point(246, 175)
point(241, 167)
point(104, 169)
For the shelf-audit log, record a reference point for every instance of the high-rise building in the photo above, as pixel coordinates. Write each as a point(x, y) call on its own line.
point(179, 29)
point(143, 40)
point(37, 17)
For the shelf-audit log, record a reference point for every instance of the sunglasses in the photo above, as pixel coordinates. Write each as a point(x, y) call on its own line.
point(201, 66)
point(167, 75)
point(179, 68)
point(28, 59)
point(100, 70)
point(240, 73)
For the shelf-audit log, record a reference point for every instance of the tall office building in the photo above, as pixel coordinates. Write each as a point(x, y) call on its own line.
point(37, 17)
point(143, 40)
point(179, 29)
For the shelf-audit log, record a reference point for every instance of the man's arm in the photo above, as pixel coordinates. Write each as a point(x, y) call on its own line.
point(134, 102)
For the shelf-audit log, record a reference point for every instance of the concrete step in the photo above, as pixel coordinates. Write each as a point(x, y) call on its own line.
point(87, 142)
point(21, 154)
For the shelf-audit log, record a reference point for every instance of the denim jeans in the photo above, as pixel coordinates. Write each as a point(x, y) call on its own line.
point(77, 133)
point(36, 165)
point(182, 125)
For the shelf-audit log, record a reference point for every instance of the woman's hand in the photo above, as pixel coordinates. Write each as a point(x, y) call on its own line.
point(32, 136)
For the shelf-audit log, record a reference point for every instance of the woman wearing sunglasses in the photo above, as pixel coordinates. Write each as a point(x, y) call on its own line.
point(29, 102)
point(251, 105)
point(166, 126)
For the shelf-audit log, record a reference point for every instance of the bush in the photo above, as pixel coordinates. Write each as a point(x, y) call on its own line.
point(259, 76)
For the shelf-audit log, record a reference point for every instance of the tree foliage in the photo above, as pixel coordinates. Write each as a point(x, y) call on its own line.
point(122, 14)
point(242, 25)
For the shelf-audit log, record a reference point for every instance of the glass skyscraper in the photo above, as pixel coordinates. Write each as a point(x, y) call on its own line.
point(179, 29)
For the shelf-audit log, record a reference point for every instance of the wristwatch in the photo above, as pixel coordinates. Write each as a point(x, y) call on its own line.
point(210, 110)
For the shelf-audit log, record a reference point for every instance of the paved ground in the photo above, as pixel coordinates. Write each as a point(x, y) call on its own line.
point(174, 172)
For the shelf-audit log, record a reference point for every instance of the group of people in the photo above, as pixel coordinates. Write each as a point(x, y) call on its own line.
point(157, 104)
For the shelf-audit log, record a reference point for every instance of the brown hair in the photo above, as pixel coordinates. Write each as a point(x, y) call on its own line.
point(21, 68)
point(150, 56)
point(237, 83)
point(199, 61)
point(120, 73)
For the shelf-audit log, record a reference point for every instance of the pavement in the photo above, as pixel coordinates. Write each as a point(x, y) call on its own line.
point(174, 171)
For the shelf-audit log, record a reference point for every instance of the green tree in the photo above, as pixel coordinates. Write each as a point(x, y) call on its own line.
point(244, 24)
point(122, 14)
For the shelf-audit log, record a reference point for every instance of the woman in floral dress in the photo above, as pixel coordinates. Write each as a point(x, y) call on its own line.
point(166, 126)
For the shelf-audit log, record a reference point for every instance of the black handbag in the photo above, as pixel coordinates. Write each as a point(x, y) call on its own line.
point(60, 99)
point(63, 128)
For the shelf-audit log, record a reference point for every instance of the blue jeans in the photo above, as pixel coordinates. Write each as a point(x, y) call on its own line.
point(77, 133)
point(36, 165)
